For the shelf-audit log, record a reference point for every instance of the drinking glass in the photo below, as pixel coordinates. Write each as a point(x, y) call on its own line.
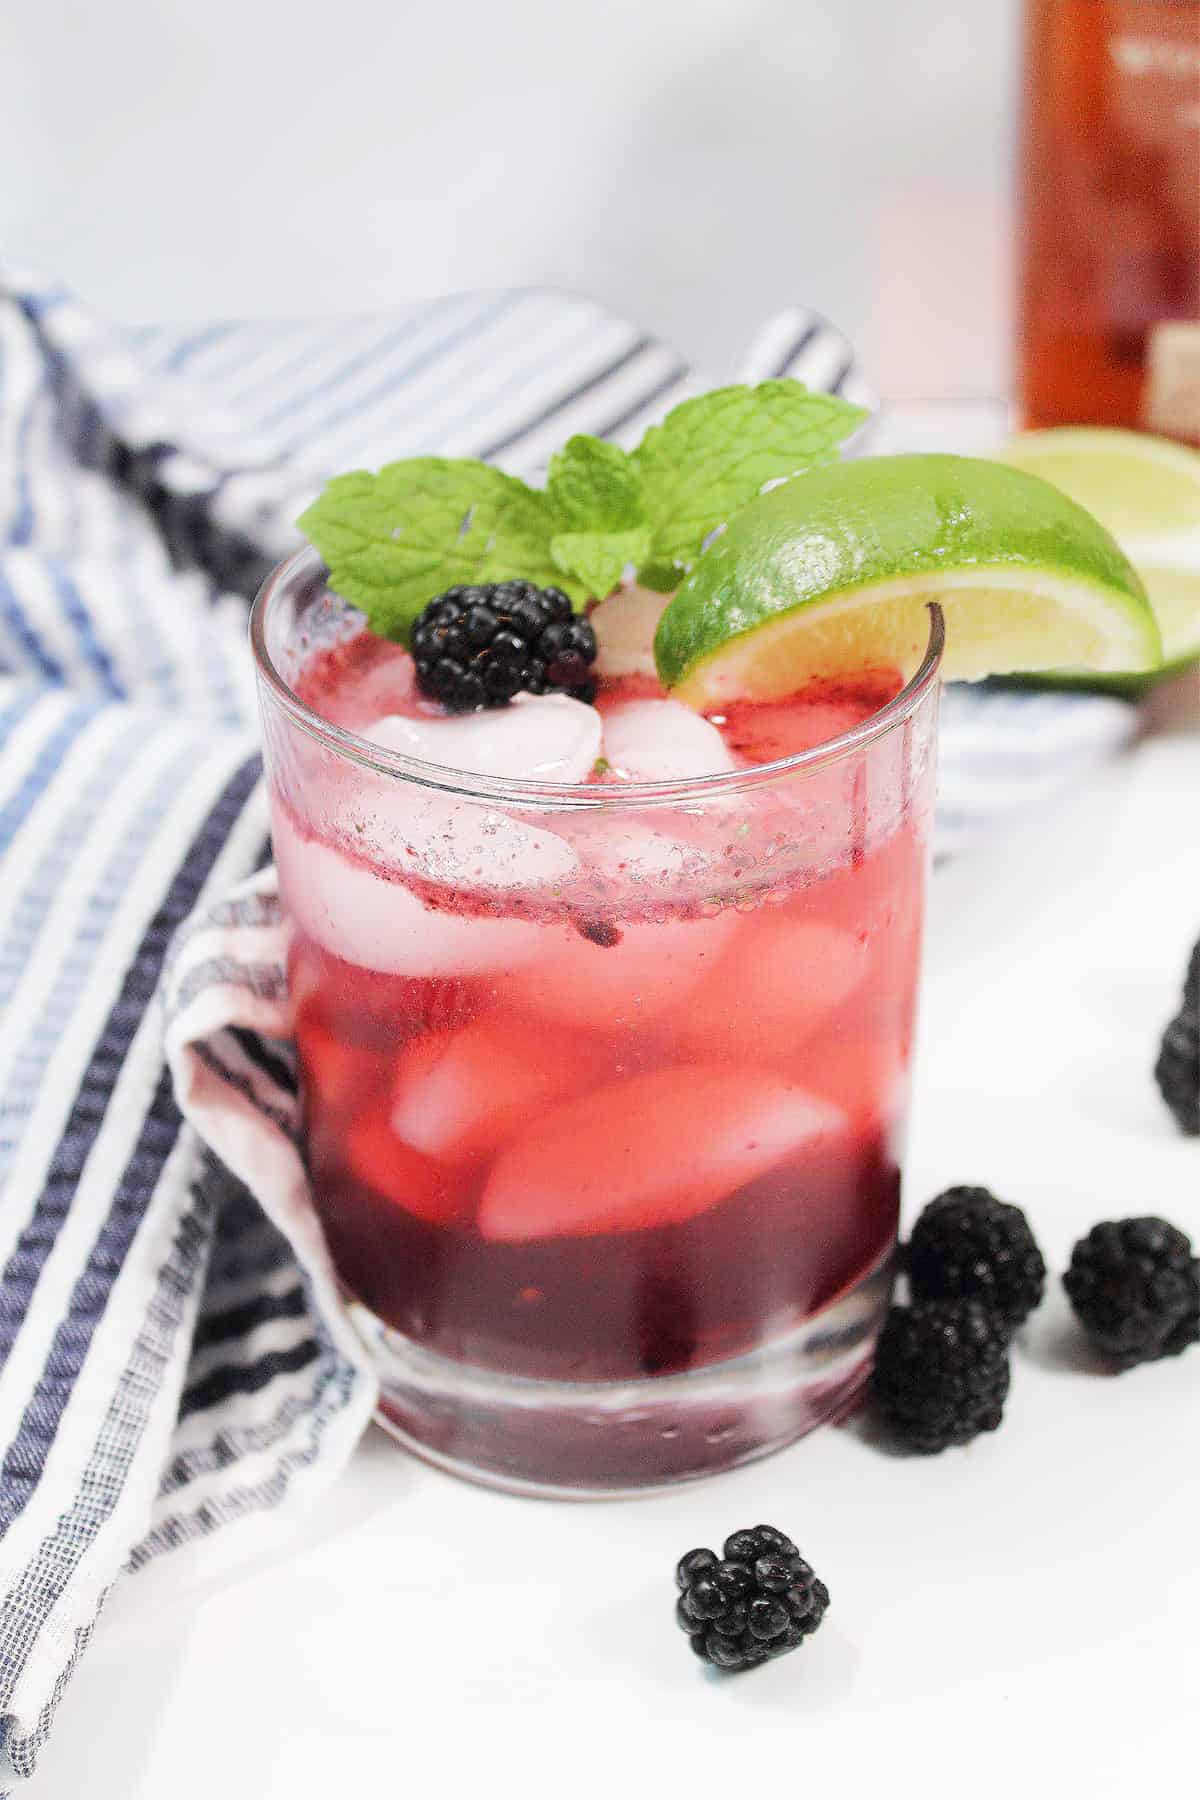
point(604, 1086)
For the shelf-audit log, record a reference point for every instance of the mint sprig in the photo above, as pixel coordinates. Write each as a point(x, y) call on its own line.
point(712, 455)
point(395, 540)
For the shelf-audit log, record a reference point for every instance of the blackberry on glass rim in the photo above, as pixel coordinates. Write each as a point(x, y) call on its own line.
point(480, 646)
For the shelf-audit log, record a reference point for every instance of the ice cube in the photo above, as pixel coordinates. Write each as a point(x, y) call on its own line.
point(465, 844)
point(459, 1094)
point(387, 683)
point(537, 737)
point(649, 1150)
point(402, 1175)
point(624, 626)
point(621, 976)
point(778, 984)
point(379, 924)
point(864, 1073)
point(340, 1073)
point(662, 740)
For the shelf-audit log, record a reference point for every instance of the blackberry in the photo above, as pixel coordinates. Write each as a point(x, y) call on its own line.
point(941, 1372)
point(1135, 1288)
point(1191, 984)
point(1177, 1070)
point(756, 1600)
point(967, 1245)
point(478, 646)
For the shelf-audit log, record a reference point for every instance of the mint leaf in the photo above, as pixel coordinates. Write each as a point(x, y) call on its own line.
point(395, 540)
point(713, 454)
point(594, 486)
point(660, 577)
point(596, 492)
point(598, 559)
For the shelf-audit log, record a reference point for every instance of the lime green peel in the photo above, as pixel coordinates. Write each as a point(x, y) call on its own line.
point(1146, 490)
point(1137, 484)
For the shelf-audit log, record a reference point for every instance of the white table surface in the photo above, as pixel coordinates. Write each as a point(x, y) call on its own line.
point(1016, 1616)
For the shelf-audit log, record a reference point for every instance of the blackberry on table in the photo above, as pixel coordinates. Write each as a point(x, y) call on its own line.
point(941, 1373)
point(1191, 984)
point(967, 1245)
point(1135, 1288)
point(755, 1601)
point(1177, 1070)
point(478, 646)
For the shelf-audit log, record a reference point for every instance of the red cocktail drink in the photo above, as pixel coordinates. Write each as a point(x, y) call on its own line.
point(604, 1016)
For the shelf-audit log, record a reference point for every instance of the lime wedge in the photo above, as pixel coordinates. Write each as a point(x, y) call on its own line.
point(1136, 484)
point(1146, 490)
point(1175, 597)
point(832, 571)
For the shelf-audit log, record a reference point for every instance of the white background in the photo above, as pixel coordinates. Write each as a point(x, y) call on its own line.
point(695, 163)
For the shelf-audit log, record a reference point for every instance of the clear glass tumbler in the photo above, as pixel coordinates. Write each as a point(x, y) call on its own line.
point(604, 1087)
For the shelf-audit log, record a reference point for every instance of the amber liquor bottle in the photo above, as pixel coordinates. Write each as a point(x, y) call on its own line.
point(1109, 215)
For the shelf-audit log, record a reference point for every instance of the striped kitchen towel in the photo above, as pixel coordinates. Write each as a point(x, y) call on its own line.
point(173, 1359)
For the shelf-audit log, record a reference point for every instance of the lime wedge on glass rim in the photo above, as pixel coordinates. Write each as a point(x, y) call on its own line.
point(832, 571)
point(1146, 490)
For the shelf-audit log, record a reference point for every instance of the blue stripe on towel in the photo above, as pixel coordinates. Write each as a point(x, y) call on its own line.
point(22, 1463)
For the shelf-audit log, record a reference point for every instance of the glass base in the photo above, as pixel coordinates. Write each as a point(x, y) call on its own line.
point(603, 1439)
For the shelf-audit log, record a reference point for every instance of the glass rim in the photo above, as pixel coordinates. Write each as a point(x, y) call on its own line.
point(567, 795)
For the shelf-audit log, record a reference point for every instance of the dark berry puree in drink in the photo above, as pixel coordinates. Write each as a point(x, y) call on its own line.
point(632, 1116)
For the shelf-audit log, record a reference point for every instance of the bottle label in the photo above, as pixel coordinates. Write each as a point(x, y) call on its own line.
point(1169, 66)
point(1172, 394)
point(1135, 55)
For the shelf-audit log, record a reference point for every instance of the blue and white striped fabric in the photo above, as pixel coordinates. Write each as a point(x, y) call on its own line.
point(173, 1359)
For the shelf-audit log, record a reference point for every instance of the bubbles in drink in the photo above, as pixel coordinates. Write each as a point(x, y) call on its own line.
point(358, 914)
